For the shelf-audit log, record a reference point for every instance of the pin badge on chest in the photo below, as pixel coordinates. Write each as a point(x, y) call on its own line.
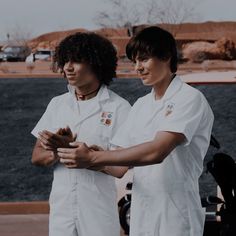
point(169, 109)
point(106, 118)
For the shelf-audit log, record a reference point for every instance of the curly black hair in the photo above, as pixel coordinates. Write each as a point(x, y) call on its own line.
point(90, 48)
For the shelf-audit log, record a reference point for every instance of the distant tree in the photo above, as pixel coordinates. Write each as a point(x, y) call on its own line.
point(19, 35)
point(120, 13)
point(171, 12)
point(124, 13)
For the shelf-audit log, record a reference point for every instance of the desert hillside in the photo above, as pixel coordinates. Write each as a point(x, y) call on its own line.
point(185, 33)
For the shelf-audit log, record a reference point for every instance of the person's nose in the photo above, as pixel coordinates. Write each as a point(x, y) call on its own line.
point(138, 67)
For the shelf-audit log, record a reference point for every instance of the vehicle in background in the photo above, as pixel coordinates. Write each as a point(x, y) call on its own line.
point(14, 53)
point(40, 54)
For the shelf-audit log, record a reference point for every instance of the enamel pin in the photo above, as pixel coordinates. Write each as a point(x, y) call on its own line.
point(169, 109)
point(106, 118)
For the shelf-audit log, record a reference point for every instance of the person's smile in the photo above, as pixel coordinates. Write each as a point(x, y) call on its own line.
point(70, 75)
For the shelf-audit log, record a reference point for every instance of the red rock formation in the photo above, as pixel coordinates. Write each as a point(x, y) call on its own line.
point(207, 32)
point(50, 40)
point(223, 49)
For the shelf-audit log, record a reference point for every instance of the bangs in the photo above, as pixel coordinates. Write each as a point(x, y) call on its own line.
point(138, 48)
point(151, 42)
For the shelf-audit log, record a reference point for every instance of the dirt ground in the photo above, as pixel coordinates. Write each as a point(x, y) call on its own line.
point(42, 69)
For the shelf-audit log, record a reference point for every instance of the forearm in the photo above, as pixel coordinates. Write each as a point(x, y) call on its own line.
point(148, 153)
point(116, 171)
point(143, 154)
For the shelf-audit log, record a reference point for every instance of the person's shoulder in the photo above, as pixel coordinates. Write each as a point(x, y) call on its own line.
point(143, 100)
point(191, 93)
point(118, 99)
point(60, 98)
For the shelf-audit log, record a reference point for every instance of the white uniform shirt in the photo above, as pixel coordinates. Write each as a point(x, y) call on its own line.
point(165, 198)
point(82, 197)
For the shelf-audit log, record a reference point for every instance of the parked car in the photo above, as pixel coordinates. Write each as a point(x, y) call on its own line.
point(14, 53)
point(40, 54)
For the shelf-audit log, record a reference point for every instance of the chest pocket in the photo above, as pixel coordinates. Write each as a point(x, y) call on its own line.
point(93, 132)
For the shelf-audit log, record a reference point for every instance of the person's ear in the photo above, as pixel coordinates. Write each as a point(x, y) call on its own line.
point(63, 73)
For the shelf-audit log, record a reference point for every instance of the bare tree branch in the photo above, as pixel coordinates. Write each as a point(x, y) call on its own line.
point(19, 35)
point(122, 13)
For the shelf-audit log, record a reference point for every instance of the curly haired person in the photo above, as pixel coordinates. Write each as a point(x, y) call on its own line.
point(82, 201)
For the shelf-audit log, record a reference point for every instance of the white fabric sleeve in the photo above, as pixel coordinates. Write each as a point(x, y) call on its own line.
point(186, 117)
point(122, 136)
point(46, 121)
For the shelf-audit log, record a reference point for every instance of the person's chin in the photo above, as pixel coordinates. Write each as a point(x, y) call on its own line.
point(145, 81)
point(72, 82)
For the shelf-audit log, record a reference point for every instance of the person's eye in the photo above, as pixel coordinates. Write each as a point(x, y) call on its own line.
point(144, 59)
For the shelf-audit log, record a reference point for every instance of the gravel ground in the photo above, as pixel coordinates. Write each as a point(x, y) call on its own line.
point(22, 103)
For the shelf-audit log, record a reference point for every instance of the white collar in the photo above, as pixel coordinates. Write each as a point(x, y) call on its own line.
point(172, 89)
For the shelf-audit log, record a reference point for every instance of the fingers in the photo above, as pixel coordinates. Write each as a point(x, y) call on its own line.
point(76, 144)
point(45, 141)
point(49, 148)
point(51, 136)
point(67, 153)
point(67, 161)
point(74, 137)
point(68, 131)
point(70, 166)
point(65, 150)
point(48, 137)
point(60, 131)
point(54, 140)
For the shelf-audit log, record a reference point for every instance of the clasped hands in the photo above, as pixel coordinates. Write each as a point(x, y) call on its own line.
point(69, 152)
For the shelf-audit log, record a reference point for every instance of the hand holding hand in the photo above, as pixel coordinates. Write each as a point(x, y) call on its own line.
point(52, 141)
point(78, 156)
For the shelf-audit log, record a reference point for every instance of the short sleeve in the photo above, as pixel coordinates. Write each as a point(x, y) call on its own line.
point(46, 121)
point(185, 117)
point(122, 136)
point(121, 118)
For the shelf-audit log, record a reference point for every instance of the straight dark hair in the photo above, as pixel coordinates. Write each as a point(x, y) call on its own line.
point(153, 42)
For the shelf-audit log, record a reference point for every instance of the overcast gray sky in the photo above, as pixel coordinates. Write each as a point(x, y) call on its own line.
point(42, 16)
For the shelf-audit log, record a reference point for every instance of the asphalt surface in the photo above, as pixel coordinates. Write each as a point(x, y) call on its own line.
point(23, 101)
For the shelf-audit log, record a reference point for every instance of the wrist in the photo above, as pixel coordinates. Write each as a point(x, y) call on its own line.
point(104, 169)
point(92, 157)
point(53, 158)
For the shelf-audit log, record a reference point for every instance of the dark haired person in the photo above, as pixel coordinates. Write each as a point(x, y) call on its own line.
point(165, 137)
point(82, 201)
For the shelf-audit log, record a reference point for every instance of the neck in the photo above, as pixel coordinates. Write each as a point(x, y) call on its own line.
point(161, 87)
point(87, 92)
